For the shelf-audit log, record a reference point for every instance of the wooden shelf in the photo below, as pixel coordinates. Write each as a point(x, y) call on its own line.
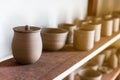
point(112, 75)
point(107, 76)
point(54, 65)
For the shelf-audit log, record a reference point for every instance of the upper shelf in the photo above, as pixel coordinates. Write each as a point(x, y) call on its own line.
point(54, 65)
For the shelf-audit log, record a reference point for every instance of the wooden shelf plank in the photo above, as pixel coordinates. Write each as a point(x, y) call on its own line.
point(113, 75)
point(54, 65)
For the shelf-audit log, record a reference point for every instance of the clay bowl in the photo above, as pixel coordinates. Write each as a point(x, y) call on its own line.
point(53, 38)
point(90, 74)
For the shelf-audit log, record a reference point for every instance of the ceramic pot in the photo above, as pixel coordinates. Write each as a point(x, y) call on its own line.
point(116, 22)
point(94, 19)
point(107, 27)
point(81, 23)
point(97, 20)
point(107, 53)
point(90, 74)
point(97, 28)
point(89, 19)
point(107, 16)
point(70, 28)
point(100, 59)
point(26, 44)
point(91, 65)
point(83, 39)
point(113, 61)
point(53, 38)
point(118, 55)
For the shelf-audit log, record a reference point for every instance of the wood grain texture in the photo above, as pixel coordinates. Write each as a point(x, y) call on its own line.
point(92, 7)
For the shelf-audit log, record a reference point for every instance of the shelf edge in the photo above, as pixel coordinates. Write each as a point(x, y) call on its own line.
point(80, 63)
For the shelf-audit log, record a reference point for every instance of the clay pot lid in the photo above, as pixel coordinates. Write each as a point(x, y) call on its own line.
point(26, 29)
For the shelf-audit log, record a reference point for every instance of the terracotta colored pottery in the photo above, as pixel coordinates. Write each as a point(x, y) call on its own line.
point(53, 38)
point(26, 44)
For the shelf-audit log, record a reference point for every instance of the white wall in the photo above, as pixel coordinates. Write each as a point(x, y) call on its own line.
point(41, 13)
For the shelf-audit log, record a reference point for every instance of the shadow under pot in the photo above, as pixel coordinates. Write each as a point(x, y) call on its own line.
point(26, 44)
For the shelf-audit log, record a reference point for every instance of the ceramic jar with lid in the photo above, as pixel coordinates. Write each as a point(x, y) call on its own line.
point(26, 44)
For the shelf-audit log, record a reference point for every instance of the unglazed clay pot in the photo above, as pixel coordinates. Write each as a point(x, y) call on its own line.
point(70, 28)
point(90, 74)
point(116, 23)
point(26, 44)
point(53, 38)
point(107, 25)
point(96, 27)
point(84, 39)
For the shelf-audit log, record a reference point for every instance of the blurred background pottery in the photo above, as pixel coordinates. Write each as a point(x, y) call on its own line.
point(53, 38)
point(96, 27)
point(81, 23)
point(113, 61)
point(100, 59)
point(94, 19)
point(83, 39)
point(89, 74)
point(70, 28)
point(107, 26)
point(26, 44)
point(116, 23)
point(91, 65)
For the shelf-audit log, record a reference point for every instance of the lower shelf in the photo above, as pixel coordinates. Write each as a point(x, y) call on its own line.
point(113, 75)
point(109, 76)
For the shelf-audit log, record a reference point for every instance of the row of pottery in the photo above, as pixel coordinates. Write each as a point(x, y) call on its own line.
point(92, 28)
point(27, 43)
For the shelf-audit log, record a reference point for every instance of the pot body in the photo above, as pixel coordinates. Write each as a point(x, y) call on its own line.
point(84, 39)
point(26, 47)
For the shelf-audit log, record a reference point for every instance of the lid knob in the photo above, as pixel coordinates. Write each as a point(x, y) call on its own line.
point(27, 27)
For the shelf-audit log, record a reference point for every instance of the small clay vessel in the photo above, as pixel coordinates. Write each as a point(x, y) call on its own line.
point(84, 39)
point(113, 61)
point(70, 28)
point(26, 44)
